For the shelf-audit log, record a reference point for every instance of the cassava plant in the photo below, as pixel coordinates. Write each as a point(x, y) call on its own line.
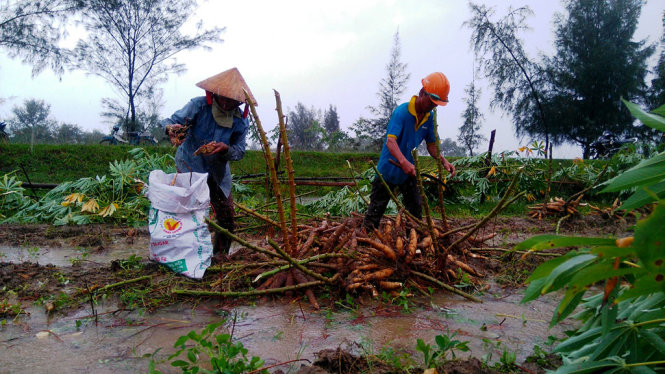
point(223, 354)
point(624, 324)
point(117, 197)
point(12, 197)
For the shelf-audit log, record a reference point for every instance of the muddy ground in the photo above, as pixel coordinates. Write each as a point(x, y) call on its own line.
point(65, 288)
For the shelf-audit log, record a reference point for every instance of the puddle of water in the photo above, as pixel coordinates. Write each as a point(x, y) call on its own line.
point(66, 256)
point(275, 331)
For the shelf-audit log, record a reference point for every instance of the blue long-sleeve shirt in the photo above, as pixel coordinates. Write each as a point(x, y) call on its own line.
point(204, 130)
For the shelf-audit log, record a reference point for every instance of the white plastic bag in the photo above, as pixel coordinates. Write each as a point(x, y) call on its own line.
point(179, 236)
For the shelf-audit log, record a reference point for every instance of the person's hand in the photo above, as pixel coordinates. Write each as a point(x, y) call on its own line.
point(450, 167)
point(212, 148)
point(408, 168)
point(175, 134)
point(220, 147)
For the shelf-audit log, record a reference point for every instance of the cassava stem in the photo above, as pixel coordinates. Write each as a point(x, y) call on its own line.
point(423, 198)
point(246, 293)
point(296, 264)
point(273, 173)
point(446, 287)
point(502, 204)
point(290, 172)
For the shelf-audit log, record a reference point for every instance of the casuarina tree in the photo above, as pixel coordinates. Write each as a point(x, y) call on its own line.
point(132, 45)
point(303, 130)
point(32, 29)
point(597, 62)
point(469, 133)
point(656, 96)
point(331, 119)
point(391, 88)
point(518, 82)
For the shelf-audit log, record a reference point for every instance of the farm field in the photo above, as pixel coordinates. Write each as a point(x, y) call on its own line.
point(304, 289)
point(51, 269)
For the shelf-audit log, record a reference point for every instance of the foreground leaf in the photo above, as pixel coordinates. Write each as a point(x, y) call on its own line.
point(558, 241)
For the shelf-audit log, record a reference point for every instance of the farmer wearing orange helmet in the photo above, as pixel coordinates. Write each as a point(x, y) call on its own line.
point(216, 122)
point(409, 125)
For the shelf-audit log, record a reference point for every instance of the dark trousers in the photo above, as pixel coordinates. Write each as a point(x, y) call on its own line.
point(380, 197)
point(223, 210)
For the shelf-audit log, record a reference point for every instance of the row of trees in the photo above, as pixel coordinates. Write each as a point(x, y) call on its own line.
point(570, 96)
point(573, 95)
point(130, 44)
point(32, 123)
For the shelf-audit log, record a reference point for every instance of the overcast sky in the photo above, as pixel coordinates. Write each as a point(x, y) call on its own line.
point(319, 53)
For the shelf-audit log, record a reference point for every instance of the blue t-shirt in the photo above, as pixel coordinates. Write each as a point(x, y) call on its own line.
point(205, 130)
point(403, 128)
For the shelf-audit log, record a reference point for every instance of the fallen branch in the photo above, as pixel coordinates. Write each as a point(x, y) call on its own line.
point(257, 215)
point(113, 285)
point(447, 287)
point(246, 293)
point(543, 254)
point(297, 265)
point(242, 241)
point(304, 261)
point(498, 208)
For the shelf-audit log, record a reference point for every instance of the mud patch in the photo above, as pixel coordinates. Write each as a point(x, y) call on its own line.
point(340, 361)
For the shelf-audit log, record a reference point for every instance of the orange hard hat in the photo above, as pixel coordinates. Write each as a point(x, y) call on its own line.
point(437, 87)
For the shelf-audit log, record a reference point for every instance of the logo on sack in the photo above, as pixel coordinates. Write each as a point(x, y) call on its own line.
point(172, 225)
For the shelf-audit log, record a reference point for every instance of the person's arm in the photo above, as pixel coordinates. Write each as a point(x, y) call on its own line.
point(431, 148)
point(406, 166)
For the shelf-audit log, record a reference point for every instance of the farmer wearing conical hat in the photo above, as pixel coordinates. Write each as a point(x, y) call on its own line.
point(210, 131)
point(409, 125)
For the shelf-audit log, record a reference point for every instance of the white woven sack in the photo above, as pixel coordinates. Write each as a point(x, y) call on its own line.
point(179, 236)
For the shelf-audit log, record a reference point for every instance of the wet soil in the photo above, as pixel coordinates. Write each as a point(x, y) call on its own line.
point(57, 269)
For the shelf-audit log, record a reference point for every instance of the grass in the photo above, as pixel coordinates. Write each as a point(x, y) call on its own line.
point(58, 163)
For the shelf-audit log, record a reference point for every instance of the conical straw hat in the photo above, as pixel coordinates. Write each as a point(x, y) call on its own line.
point(228, 84)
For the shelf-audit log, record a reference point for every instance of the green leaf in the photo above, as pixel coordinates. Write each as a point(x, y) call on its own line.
point(650, 245)
point(609, 313)
point(660, 110)
point(567, 306)
point(639, 176)
point(533, 291)
point(652, 120)
point(568, 268)
point(181, 341)
point(557, 241)
point(643, 286)
point(644, 196)
point(587, 367)
point(578, 341)
point(611, 343)
point(611, 251)
point(642, 370)
point(546, 268)
point(654, 340)
point(180, 363)
point(191, 356)
point(649, 308)
point(598, 272)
